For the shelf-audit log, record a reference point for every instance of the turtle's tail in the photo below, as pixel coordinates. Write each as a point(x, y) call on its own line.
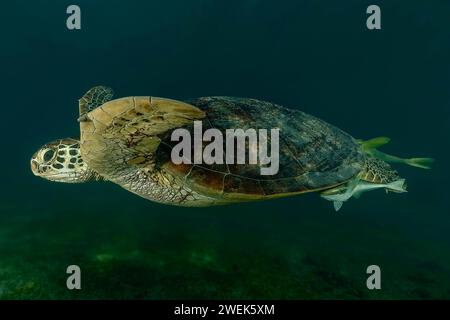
point(424, 163)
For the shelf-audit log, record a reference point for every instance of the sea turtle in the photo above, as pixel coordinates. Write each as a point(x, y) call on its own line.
point(128, 141)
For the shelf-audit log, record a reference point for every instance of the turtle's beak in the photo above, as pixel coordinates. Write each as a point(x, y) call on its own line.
point(39, 166)
point(37, 169)
point(34, 167)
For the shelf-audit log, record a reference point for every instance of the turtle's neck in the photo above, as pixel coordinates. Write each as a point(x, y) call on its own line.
point(90, 175)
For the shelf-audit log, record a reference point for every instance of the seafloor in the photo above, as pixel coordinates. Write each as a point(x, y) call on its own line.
point(131, 248)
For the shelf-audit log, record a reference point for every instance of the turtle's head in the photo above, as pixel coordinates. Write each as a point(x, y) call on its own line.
point(61, 161)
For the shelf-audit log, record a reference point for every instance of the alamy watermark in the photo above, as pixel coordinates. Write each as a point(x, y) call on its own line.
point(374, 280)
point(74, 280)
point(73, 21)
point(231, 149)
point(374, 20)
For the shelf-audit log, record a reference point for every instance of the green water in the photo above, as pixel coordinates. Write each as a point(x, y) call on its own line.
point(316, 56)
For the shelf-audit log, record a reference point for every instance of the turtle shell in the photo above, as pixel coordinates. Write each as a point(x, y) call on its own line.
point(313, 155)
point(128, 140)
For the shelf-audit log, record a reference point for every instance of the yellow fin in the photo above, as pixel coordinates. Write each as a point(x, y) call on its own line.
point(424, 163)
point(374, 143)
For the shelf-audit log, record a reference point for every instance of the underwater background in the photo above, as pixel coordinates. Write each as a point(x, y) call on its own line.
point(317, 56)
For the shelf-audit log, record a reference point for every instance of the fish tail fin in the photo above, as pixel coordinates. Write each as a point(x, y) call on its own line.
point(374, 143)
point(337, 205)
point(424, 163)
point(397, 186)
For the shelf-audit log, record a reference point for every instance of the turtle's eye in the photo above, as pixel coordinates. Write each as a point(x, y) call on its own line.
point(48, 155)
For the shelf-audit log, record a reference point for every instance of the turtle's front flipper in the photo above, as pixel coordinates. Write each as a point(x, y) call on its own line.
point(370, 147)
point(92, 99)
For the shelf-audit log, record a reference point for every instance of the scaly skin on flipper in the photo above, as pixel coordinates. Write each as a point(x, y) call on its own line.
point(92, 99)
point(378, 171)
